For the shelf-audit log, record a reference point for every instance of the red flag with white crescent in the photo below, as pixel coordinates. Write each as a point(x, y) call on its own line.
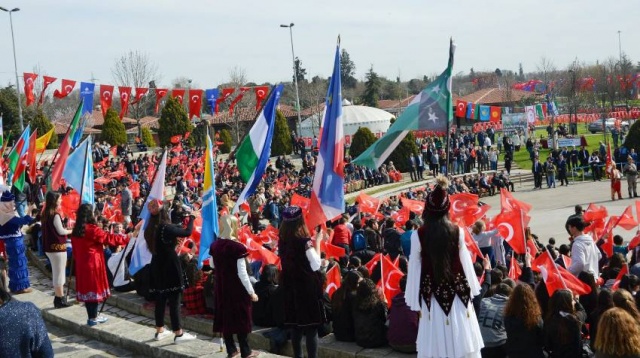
point(334, 280)
point(178, 93)
point(160, 93)
point(367, 203)
point(29, 79)
point(140, 92)
point(125, 95)
point(416, 206)
point(67, 87)
point(46, 81)
point(195, 103)
point(226, 92)
point(261, 94)
point(237, 99)
point(106, 98)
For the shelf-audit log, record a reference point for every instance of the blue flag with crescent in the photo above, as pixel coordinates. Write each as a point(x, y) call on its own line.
point(86, 93)
point(212, 95)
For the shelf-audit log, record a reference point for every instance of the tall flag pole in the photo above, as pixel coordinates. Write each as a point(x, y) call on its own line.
point(450, 105)
point(209, 211)
point(327, 194)
point(141, 254)
point(430, 110)
point(253, 152)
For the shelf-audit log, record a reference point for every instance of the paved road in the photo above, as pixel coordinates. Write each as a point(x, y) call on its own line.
point(66, 344)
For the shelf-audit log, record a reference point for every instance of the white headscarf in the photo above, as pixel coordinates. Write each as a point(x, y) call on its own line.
point(7, 211)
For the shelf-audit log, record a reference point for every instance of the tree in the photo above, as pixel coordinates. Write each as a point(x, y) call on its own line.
point(41, 123)
point(9, 110)
point(300, 72)
point(400, 156)
point(225, 138)
point(392, 90)
point(199, 135)
point(281, 141)
point(173, 121)
point(347, 70)
point(113, 131)
point(362, 139)
point(147, 138)
point(372, 89)
point(520, 72)
point(135, 69)
point(632, 140)
point(416, 85)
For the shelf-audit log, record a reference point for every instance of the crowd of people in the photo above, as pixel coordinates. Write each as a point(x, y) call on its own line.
point(279, 269)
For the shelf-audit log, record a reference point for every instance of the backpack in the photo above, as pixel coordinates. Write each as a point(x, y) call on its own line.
point(358, 241)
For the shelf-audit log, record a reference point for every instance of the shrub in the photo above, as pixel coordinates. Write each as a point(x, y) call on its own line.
point(147, 138)
point(113, 131)
point(281, 142)
point(173, 121)
point(225, 138)
point(400, 156)
point(361, 140)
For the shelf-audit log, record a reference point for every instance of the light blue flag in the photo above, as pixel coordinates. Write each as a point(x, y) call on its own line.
point(210, 229)
point(141, 255)
point(80, 177)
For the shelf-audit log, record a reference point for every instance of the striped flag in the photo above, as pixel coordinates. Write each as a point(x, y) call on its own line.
point(209, 205)
point(327, 194)
point(253, 153)
point(429, 110)
point(80, 177)
point(141, 255)
point(65, 148)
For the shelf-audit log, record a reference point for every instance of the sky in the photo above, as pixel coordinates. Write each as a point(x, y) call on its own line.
point(204, 39)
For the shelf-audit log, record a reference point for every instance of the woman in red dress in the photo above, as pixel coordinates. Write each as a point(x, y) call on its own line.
point(88, 240)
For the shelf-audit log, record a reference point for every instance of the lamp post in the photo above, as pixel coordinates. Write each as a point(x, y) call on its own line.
point(15, 63)
point(620, 46)
point(295, 76)
point(573, 126)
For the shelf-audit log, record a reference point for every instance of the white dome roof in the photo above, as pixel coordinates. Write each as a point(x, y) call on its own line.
point(353, 118)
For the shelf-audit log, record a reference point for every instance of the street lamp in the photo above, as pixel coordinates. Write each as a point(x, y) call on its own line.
point(573, 127)
point(620, 46)
point(295, 76)
point(15, 63)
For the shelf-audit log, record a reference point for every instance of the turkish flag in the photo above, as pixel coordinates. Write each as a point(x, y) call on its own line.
point(416, 206)
point(46, 81)
point(334, 280)
point(514, 269)
point(472, 245)
point(140, 92)
point(226, 92)
point(244, 234)
point(29, 78)
point(301, 201)
point(390, 277)
point(607, 235)
point(460, 202)
point(178, 93)
point(638, 210)
point(135, 189)
point(556, 277)
point(160, 93)
point(195, 103)
point(367, 204)
point(332, 250)
point(125, 95)
point(401, 216)
point(259, 253)
point(106, 97)
point(375, 260)
point(626, 220)
point(261, 94)
point(635, 241)
point(176, 139)
point(511, 226)
point(67, 87)
point(472, 214)
point(496, 114)
point(595, 212)
point(70, 203)
point(269, 236)
point(508, 202)
point(461, 108)
point(623, 271)
point(237, 99)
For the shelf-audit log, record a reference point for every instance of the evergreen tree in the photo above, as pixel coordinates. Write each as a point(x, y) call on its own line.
point(199, 135)
point(372, 89)
point(173, 121)
point(362, 139)
point(400, 156)
point(281, 142)
point(225, 138)
point(43, 125)
point(347, 70)
point(301, 73)
point(632, 140)
point(9, 110)
point(147, 138)
point(113, 131)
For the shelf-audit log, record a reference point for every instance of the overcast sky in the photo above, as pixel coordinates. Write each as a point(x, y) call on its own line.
point(204, 39)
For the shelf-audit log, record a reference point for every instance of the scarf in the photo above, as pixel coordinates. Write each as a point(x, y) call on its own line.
point(7, 212)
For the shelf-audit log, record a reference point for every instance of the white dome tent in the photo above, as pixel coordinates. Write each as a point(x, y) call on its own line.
point(354, 117)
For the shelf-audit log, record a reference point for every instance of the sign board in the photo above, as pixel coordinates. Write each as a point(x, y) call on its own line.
point(568, 142)
point(515, 122)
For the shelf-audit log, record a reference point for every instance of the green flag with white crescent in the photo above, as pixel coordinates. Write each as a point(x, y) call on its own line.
point(430, 110)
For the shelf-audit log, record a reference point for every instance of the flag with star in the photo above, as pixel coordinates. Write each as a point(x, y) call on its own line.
point(429, 110)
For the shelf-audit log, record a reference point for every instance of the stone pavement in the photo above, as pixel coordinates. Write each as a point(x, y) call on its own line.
point(67, 344)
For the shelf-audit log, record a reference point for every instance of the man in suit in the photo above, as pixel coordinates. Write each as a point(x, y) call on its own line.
point(537, 170)
point(583, 156)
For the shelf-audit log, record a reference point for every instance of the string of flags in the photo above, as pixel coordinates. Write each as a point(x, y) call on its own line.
point(132, 95)
point(483, 113)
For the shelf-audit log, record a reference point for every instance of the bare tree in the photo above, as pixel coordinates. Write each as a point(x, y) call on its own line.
point(135, 69)
point(547, 70)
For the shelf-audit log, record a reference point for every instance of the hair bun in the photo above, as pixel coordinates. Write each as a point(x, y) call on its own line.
point(442, 182)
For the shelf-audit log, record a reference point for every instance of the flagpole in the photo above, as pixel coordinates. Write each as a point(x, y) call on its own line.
point(66, 137)
point(524, 231)
point(555, 266)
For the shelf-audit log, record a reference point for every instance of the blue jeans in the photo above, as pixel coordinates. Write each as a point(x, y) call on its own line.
point(551, 180)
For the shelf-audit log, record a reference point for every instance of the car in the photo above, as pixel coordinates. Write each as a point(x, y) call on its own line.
point(596, 126)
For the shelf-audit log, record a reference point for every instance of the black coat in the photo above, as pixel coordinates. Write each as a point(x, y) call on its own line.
point(572, 347)
point(166, 272)
point(262, 310)
point(342, 313)
point(522, 342)
point(370, 329)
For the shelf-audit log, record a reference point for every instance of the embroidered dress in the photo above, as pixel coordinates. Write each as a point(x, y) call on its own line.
point(11, 234)
point(448, 325)
point(90, 269)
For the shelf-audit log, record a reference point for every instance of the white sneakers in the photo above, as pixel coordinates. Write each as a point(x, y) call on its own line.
point(162, 335)
point(183, 338)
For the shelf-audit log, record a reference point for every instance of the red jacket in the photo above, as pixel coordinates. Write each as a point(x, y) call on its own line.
point(341, 235)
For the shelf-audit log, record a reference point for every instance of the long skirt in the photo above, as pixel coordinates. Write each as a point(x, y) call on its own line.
point(18, 270)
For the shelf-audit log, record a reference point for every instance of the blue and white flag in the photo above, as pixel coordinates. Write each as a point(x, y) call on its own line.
point(80, 177)
point(86, 93)
point(212, 95)
point(209, 211)
point(141, 255)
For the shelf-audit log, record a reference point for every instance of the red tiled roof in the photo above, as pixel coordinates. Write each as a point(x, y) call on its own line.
point(394, 103)
point(496, 96)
